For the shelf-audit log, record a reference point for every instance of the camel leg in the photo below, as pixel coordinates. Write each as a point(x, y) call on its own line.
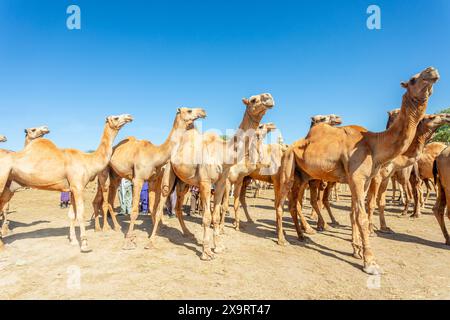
point(416, 191)
point(299, 203)
point(72, 217)
point(4, 199)
point(314, 188)
point(225, 206)
point(357, 186)
point(394, 189)
point(242, 198)
point(442, 202)
point(205, 196)
point(356, 239)
point(427, 195)
point(98, 199)
point(79, 212)
point(371, 201)
point(167, 185)
point(293, 197)
point(280, 198)
point(408, 196)
point(236, 200)
point(326, 201)
point(182, 188)
point(381, 201)
point(114, 183)
point(218, 199)
point(130, 237)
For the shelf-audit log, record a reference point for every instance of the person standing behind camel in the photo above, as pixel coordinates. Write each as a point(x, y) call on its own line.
point(125, 196)
point(143, 202)
point(65, 199)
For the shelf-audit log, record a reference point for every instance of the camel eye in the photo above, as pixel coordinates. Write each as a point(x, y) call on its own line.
point(412, 81)
point(116, 118)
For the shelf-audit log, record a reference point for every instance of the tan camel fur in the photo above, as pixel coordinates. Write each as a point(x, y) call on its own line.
point(424, 172)
point(138, 161)
point(441, 172)
point(30, 135)
point(377, 191)
point(42, 165)
point(271, 156)
point(356, 158)
point(206, 159)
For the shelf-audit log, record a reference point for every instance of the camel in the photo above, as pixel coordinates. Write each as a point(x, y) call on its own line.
point(441, 173)
point(30, 135)
point(377, 191)
point(424, 172)
point(139, 161)
point(348, 155)
point(205, 159)
point(239, 173)
point(42, 165)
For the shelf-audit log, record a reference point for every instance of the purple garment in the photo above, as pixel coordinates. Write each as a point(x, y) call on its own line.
point(144, 198)
point(65, 196)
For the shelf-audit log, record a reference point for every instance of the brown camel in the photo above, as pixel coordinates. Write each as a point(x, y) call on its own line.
point(377, 191)
point(441, 172)
point(30, 135)
point(42, 165)
point(205, 159)
point(347, 155)
point(139, 161)
point(424, 172)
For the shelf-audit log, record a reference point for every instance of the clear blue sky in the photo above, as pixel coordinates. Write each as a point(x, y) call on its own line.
point(149, 57)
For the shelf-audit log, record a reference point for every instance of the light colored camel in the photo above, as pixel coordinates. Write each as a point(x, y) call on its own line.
point(270, 175)
point(347, 155)
point(441, 172)
point(42, 165)
point(30, 135)
point(377, 191)
point(205, 159)
point(138, 161)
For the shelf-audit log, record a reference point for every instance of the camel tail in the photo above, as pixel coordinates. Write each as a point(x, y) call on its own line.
point(435, 172)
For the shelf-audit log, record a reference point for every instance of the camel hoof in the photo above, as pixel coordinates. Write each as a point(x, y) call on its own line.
point(446, 243)
point(386, 230)
point(207, 256)
point(5, 230)
point(150, 245)
point(74, 242)
point(219, 249)
point(116, 229)
point(98, 229)
point(372, 269)
point(415, 216)
point(310, 231)
point(130, 244)
point(85, 249)
point(335, 223)
point(283, 243)
point(322, 228)
point(250, 221)
point(188, 235)
point(373, 234)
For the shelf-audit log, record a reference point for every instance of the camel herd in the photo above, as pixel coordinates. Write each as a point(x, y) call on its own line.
point(328, 155)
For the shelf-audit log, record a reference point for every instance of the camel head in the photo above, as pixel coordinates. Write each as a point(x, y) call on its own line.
point(434, 121)
point(37, 132)
point(420, 86)
point(392, 115)
point(186, 116)
point(331, 119)
point(3, 138)
point(264, 129)
point(117, 122)
point(258, 105)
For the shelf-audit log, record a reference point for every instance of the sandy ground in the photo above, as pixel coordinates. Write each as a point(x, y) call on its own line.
point(39, 263)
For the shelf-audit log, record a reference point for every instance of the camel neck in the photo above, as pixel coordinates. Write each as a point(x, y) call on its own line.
point(172, 139)
point(422, 136)
point(239, 145)
point(398, 137)
point(103, 153)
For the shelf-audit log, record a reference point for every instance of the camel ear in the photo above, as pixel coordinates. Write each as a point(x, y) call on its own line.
point(26, 131)
point(404, 84)
point(245, 101)
point(178, 110)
